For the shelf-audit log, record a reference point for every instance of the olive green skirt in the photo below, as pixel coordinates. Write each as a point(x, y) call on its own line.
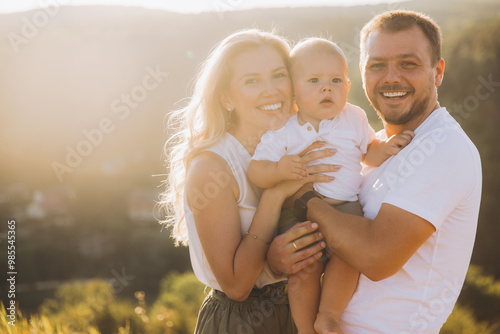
point(266, 311)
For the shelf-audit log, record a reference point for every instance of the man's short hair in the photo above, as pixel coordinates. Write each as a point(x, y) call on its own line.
point(399, 20)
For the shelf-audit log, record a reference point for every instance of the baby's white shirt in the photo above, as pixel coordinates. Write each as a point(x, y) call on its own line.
point(349, 132)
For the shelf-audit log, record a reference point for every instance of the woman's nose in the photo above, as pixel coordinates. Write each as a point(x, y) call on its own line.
point(270, 88)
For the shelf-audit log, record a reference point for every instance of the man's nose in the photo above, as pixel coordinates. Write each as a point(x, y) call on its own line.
point(393, 74)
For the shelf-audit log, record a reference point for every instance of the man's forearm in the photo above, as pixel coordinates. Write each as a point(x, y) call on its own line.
point(346, 235)
point(378, 248)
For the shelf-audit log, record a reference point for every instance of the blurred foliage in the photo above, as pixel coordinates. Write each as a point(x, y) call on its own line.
point(176, 309)
point(481, 293)
point(91, 304)
point(462, 321)
point(91, 307)
point(471, 94)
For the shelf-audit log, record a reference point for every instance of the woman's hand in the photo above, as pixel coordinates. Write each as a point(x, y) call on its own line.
point(307, 156)
point(312, 153)
point(285, 258)
point(314, 172)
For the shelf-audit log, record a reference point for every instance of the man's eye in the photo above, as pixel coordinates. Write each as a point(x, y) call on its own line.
point(408, 64)
point(313, 80)
point(376, 66)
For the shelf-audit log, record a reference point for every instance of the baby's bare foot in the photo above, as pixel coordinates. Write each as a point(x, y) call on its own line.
point(327, 323)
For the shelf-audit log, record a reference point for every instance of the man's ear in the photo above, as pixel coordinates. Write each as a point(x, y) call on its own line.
point(439, 68)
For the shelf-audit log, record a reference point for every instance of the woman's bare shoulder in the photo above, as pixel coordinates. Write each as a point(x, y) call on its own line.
point(209, 174)
point(206, 167)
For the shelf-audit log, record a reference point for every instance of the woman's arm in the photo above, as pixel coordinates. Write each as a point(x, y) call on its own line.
point(235, 261)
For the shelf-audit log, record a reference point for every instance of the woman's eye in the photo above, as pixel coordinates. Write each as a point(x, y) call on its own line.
point(251, 81)
point(313, 80)
point(280, 75)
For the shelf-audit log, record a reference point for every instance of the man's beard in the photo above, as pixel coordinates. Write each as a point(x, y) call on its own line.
point(397, 117)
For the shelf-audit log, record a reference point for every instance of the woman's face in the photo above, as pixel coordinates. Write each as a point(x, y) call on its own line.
point(260, 89)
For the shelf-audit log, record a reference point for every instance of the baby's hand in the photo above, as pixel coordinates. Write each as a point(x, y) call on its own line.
point(291, 167)
point(398, 141)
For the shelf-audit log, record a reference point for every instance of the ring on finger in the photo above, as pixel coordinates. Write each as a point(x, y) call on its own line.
point(295, 246)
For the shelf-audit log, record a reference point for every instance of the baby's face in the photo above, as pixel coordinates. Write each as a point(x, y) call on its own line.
point(321, 85)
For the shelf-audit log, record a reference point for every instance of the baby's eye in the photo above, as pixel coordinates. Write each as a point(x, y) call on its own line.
point(313, 80)
point(336, 80)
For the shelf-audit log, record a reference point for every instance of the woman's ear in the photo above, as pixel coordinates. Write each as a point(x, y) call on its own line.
point(226, 102)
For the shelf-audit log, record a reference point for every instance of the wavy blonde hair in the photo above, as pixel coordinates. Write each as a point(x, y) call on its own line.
point(204, 120)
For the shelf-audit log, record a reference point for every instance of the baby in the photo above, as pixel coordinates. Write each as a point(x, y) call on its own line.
point(321, 85)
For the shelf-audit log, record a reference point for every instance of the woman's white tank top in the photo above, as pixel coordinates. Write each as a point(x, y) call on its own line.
point(238, 158)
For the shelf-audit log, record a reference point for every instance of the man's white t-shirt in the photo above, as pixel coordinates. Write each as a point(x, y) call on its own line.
point(438, 178)
point(349, 133)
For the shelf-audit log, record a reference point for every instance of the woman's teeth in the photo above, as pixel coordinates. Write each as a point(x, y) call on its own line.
point(271, 106)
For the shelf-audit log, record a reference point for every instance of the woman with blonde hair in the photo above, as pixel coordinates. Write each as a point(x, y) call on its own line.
point(242, 90)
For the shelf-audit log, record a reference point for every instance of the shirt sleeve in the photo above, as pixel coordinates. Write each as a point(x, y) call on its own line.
point(272, 146)
point(434, 177)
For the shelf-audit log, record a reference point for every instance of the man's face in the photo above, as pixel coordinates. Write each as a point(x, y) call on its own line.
point(399, 76)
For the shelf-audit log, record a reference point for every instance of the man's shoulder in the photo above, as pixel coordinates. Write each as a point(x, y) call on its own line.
point(446, 133)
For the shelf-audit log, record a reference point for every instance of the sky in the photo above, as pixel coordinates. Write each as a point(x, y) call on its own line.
point(185, 6)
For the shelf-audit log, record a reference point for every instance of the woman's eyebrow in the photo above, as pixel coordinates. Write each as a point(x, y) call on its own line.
point(255, 74)
point(280, 68)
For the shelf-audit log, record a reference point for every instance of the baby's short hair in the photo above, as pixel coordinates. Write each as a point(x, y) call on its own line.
point(315, 45)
